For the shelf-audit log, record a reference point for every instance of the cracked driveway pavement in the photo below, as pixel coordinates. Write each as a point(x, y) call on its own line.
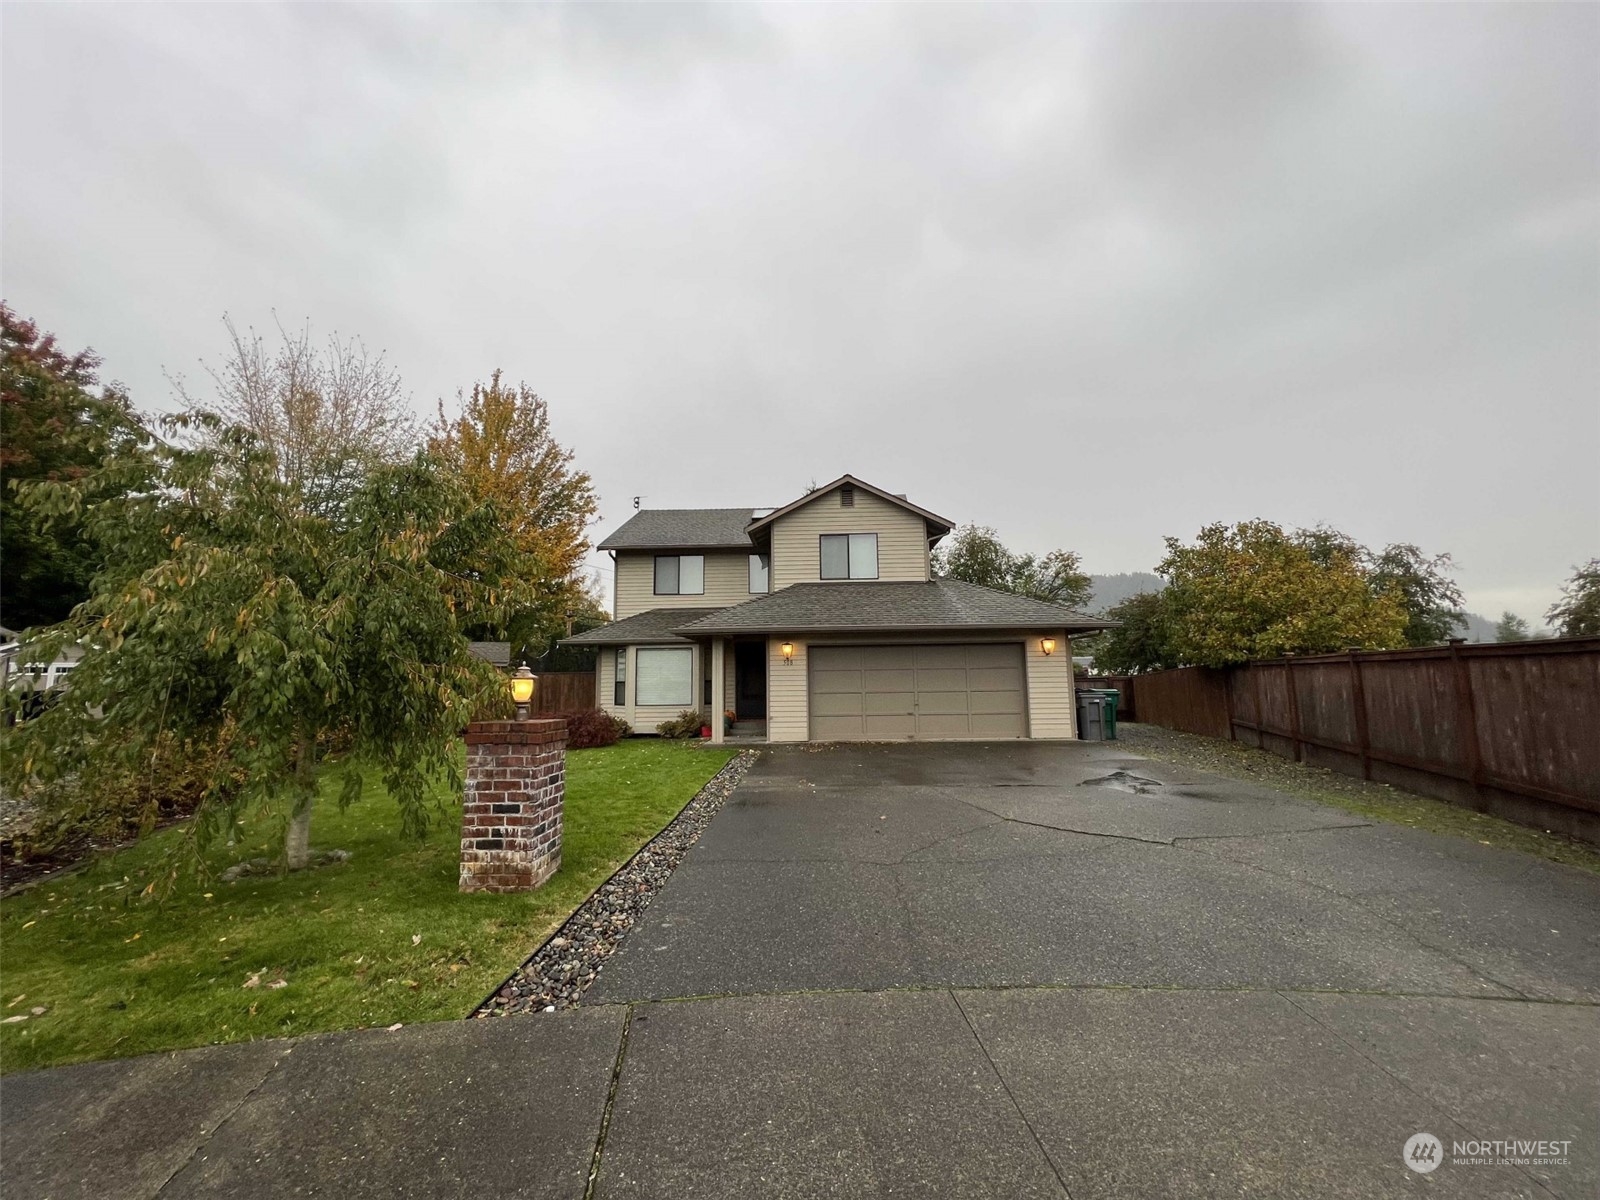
point(944, 971)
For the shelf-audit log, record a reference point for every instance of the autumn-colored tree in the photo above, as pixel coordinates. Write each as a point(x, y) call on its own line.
point(975, 554)
point(501, 444)
point(1577, 613)
point(1254, 590)
point(56, 423)
point(232, 617)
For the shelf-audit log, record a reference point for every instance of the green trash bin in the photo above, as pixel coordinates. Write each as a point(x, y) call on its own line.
point(1111, 696)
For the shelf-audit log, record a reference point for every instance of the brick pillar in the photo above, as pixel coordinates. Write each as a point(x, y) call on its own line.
point(511, 815)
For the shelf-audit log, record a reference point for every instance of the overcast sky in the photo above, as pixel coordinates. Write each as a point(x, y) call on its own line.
point(1089, 275)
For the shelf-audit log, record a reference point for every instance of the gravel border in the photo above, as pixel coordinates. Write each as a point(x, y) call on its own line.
point(556, 974)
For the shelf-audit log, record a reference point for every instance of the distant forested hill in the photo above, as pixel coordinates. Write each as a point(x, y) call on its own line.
point(1111, 590)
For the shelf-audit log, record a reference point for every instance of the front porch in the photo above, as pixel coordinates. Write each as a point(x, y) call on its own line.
point(737, 672)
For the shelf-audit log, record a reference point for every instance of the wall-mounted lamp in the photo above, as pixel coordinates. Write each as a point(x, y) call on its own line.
point(1048, 645)
point(522, 682)
point(787, 650)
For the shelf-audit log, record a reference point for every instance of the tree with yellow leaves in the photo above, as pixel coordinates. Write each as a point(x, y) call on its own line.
point(1256, 590)
point(501, 444)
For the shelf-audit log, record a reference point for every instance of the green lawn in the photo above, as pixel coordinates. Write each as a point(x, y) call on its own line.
point(384, 937)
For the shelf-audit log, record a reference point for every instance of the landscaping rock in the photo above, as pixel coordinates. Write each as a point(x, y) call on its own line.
point(560, 970)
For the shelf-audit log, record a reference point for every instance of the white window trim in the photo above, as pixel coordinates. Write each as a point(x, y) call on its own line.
point(750, 566)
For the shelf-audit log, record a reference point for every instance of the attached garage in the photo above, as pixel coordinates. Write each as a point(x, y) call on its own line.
point(901, 693)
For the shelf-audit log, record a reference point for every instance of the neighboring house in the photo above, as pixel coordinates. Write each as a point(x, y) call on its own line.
point(34, 675)
point(496, 654)
point(822, 621)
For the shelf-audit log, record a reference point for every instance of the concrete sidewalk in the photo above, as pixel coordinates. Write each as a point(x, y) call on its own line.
point(1085, 1092)
point(942, 972)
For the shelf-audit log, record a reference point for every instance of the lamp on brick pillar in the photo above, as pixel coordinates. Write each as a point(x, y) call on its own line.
point(522, 684)
point(511, 815)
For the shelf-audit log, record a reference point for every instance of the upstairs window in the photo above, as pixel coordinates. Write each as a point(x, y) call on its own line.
point(760, 574)
point(680, 574)
point(849, 556)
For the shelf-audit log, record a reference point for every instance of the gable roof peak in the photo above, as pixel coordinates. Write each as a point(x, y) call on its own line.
point(942, 524)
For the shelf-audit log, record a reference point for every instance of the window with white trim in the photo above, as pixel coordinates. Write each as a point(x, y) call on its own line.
point(619, 688)
point(680, 574)
point(849, 555)
point(665, 676)
point(760, 574)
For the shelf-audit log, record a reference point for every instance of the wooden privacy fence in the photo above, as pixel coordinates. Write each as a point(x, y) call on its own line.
point(1511, 728)
point(563, 691)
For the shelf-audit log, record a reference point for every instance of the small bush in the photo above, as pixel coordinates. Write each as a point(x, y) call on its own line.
point(590, 728)
point(685, 725)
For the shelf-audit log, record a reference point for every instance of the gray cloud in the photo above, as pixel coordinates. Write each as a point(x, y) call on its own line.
point(1313, 263)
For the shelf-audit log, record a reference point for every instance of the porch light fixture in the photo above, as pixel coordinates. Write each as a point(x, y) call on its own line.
point(787, 650)
point(1048, 645)
point(522, 683)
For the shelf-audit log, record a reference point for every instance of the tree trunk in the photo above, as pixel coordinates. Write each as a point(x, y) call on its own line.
point(297, 848)
point(297, 845)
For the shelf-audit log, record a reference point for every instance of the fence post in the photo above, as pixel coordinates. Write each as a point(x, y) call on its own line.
point(1469, 714)
point(1294, 704)
point(1358, 697)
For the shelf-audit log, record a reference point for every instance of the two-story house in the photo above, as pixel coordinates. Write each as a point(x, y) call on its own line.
point(823, 621)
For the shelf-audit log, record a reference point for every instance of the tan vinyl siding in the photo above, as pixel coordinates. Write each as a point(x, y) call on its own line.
point(787, 717)
point(728, 676)
point(796, 551)
point(1050, 692)
point(727, 582)
point(643, 719)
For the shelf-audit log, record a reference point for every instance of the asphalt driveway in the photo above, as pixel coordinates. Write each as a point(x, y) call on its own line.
point(945, 970)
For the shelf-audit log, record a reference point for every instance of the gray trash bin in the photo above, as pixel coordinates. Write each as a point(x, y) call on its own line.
point(1091, 717)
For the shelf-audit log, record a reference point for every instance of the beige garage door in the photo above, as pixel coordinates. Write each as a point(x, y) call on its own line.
point(893, 693)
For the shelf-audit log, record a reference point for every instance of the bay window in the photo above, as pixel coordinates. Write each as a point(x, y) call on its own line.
point(665, 676)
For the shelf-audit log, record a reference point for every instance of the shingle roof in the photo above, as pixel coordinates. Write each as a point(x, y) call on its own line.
point(681, 528)
point(887, 608)
point(943, 524)
point(497, 653)
point(657, 625)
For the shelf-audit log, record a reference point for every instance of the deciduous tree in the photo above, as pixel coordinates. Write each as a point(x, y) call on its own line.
point(1425, 589)
point(501, 444)
point(974, 553)
point(232, 616)
point(327, 412)
point(1141, 642)
point(1254, 590)
point(1577, 613)
point(56, 423)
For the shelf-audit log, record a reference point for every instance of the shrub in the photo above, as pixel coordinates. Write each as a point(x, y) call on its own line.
point(590, 728)
point(685, 725)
